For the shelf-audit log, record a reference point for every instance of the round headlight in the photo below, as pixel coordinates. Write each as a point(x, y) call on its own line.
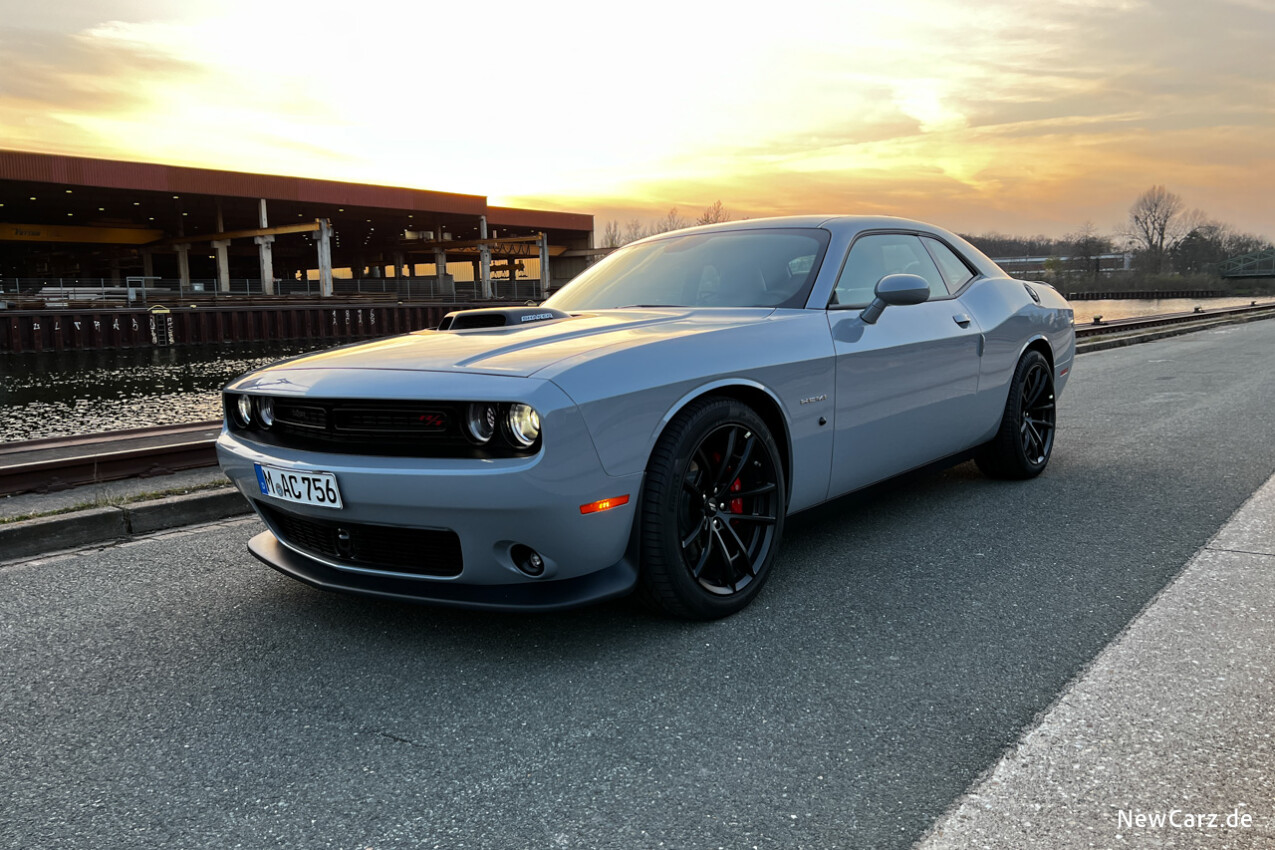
point(265, 411)
point(481, 421)
point(524, 424)
point(244, 405)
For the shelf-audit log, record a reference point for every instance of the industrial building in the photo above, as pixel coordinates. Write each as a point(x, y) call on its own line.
point(111, 225)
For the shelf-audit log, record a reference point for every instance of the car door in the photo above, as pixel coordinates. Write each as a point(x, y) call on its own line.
point(905, 385)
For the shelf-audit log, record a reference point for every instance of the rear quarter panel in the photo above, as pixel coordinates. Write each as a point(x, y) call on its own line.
point(1010, 321)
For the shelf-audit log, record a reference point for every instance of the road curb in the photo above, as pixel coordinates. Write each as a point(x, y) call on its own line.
point(32, 537)
point(186, 509)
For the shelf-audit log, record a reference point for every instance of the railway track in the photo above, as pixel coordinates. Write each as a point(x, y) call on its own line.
point(1145, 322)
point(58, 463)
point(42, 466)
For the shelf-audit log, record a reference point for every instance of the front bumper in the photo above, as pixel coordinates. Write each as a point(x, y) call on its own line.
point(491, 505)
point(615, 580)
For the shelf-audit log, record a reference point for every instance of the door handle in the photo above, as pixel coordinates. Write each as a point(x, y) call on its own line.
point(962, 320)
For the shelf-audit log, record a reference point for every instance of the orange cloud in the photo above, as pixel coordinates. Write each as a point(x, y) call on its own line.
point(1006, 114)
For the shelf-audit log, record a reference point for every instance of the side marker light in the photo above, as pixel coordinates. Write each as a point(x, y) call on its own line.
point(604, 504)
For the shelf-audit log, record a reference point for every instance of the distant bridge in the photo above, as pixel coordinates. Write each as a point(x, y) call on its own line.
point(1255, 264)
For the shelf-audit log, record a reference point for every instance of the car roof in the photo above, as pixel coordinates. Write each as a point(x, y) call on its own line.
point(846, 226)
point(836, 223)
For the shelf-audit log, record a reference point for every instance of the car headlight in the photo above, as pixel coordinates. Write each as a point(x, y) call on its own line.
point(524, 425)
point(265, 411)
point(244, 406)
point(481, 421)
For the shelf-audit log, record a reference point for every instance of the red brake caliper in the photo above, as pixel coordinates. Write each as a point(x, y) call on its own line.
point(736, 505)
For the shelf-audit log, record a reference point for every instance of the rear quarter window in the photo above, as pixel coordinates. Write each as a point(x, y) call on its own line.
point(956, 272)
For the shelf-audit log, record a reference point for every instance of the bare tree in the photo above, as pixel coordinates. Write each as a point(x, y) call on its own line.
point(672, 221)
point(1156, 222)
point(633, 231)
point(1001, 245)
point(1083, 249)
point(611, 236)
point(713, 214)
point(1204, 246)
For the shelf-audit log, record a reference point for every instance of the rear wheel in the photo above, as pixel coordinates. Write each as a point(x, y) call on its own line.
point(1022, 446)
point(712, 511)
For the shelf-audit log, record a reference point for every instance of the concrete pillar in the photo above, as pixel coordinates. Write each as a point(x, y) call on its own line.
point(484, 258)
point(223, 264)
point(115, 272)
point(325, 257)
point(266, 255)
point(183, 265)
point(148, 263)
point(543, 242)
point(445, 285)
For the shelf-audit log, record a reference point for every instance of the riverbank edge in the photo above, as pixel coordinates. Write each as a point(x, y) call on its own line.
point(29, 538)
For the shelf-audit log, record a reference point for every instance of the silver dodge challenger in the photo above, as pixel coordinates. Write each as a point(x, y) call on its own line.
point(651, 425)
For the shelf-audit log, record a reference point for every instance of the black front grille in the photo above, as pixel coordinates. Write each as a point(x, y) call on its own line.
point(415, 551)
point(289, 413)
point(370, 427)
point(401, 421)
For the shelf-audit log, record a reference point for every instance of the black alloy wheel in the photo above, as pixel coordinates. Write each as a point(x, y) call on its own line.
point(1025, 440)
point(712, 515)
point(1036, 412)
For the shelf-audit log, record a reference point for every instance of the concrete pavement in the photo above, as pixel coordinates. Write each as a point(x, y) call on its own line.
point(1168, 739)
point(171, 691)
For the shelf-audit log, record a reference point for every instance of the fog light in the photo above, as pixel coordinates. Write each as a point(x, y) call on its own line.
point(528, 560)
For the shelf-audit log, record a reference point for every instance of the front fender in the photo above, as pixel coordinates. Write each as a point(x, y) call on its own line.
point(627, 396)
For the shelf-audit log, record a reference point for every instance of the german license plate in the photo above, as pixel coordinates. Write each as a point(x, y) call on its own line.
point(305, 488)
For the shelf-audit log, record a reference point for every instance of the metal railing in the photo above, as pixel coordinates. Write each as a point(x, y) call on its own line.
point(56, 290)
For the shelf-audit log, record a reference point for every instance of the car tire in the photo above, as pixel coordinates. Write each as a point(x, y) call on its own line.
point(1025, 439)
point(712, 511)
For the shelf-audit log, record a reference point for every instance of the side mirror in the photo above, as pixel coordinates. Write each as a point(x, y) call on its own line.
point(896, 290)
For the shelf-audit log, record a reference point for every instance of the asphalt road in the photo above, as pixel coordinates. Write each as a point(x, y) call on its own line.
point(174, 692)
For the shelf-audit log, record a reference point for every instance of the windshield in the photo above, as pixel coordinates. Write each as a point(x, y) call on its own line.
point(723, 268)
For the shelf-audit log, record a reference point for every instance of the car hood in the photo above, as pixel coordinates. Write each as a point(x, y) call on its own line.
point(525, 350)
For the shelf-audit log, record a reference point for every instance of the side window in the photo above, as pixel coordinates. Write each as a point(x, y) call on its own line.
point(955, 272)
point(873, 257)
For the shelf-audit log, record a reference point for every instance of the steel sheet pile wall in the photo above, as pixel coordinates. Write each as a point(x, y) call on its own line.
point(89, 329)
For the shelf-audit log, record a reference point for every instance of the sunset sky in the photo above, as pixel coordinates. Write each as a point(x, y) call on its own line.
point(1022, 117)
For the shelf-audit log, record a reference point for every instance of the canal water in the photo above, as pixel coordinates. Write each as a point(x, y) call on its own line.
point(56, 394)
point(53, 394)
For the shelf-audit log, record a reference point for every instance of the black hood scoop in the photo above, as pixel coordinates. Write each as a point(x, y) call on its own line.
point(498, 317)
